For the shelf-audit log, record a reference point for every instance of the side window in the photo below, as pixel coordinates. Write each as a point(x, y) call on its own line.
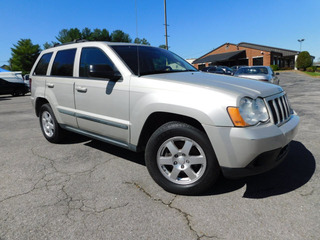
point(94, 61)
point(41, 68)
point(63, 63)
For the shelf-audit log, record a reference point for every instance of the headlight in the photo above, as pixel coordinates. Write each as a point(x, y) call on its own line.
point(250, 112)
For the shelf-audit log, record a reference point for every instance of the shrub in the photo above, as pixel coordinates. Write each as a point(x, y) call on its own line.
point(318, 69)
point(310, 69)
point(304, 60)
point(274, 67)
point(286, 68)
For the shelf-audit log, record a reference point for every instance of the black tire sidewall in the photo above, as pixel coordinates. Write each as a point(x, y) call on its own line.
point(174, 129)
point(56, 137)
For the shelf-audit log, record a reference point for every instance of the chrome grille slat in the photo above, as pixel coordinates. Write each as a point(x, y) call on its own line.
point(286, 112)
point(276, 109)
point(279, 109)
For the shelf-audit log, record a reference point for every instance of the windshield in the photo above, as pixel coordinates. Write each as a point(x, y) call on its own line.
point(151, 60)
point(253, 70)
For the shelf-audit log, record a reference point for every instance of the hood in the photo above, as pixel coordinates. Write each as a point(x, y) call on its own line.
point(12, 77)
point(223, 83)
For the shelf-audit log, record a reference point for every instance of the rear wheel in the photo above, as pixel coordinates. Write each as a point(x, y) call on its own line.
point(181, 159)
point(49, 125)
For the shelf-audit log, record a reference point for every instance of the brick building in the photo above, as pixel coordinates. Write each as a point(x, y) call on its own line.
point(248, 54)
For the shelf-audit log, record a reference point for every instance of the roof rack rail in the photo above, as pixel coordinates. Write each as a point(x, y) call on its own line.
point(74, 41)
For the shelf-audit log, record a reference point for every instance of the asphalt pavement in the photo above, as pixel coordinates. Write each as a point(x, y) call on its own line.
point(86, 189)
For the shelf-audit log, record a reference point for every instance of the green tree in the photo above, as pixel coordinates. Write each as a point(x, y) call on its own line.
point(120, 36)
point(86, 33)
point(163, 46)
point(47, 45)
point(141, 41)
point(304, 60)
point(69, 35)
point(100, 35)
point(66, 35)
point(24, 54)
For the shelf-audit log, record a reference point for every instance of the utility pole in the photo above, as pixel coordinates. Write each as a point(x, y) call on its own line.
point(300, 41)
point(165, 23)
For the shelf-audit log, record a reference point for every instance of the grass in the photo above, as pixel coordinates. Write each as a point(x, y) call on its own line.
point(313, 74)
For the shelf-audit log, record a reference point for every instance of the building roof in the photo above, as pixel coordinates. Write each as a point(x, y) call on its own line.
point(285, 52)
point(219, 57)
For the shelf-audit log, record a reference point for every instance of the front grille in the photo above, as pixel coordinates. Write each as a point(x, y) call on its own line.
point(280, 109)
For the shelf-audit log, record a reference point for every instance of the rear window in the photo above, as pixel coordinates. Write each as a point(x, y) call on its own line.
point(41, 68)
point(254, 70)
point(63, 63)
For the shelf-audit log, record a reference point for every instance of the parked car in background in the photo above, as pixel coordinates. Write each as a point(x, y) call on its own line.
point(26, 80)
point(260, 73)
point(235, 68)
point(213, 69)
point(13, 88)
point(12, 83)
point(227, 70)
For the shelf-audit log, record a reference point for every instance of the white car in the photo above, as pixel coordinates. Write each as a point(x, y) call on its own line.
point(191, 125)
point(260, 73)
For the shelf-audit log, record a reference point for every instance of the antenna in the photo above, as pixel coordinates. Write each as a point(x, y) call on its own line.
point(165, 23)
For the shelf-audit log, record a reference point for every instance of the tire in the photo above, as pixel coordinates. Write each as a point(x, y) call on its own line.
point(49, 125)
point(180, 158)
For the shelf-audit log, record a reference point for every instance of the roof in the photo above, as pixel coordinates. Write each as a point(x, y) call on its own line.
point(285, 52)
point(219, 57)
point(84, 41)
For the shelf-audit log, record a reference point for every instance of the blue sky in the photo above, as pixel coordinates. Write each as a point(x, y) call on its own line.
point(196, 27)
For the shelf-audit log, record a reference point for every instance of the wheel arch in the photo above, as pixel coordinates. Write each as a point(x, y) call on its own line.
point(157, 119)
point(39, 102)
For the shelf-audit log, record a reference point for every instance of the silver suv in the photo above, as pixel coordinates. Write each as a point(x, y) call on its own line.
point(191, 125)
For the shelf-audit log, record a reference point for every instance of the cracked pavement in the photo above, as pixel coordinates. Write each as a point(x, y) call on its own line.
point(85, 189)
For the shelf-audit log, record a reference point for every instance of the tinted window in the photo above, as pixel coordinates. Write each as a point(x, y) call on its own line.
point(151, 60)
point(94, 57)
point(63, 63)
point(41, 68)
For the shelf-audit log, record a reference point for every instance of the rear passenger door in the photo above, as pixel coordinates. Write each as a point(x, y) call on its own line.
point(59, 88)
point(102, 105)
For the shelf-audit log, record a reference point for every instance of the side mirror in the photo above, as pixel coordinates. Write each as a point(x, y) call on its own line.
point(104, 71)
point(277, 73)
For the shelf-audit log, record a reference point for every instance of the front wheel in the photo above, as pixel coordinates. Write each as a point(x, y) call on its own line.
point(181, 160)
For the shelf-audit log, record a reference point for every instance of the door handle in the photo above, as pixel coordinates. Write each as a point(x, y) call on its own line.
point(50, 85)
point(81, 89)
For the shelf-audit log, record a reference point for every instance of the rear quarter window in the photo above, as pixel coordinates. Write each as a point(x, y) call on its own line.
point(42, 66)
point(63, 63)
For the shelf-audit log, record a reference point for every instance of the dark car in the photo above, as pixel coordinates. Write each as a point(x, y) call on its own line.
point(227, 70)
point(235, 68)
point(13, 88)
point(213, 69)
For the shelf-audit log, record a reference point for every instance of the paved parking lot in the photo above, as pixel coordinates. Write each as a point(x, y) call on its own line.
point(84, 189)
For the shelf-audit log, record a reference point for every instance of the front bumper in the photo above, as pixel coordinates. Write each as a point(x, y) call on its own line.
point(252, 150)
point(262, 163)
